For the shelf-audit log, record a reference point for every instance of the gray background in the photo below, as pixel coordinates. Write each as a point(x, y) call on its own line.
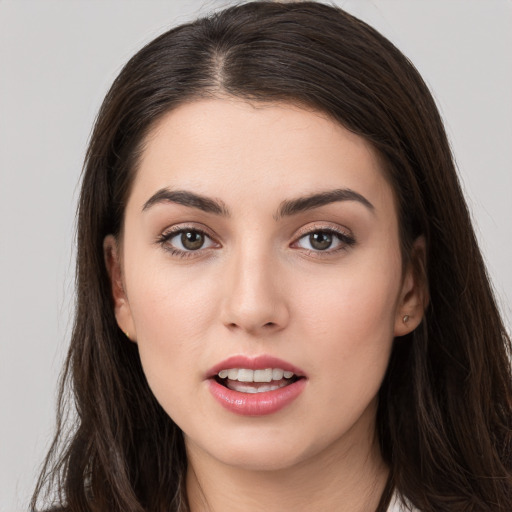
point(57, 59)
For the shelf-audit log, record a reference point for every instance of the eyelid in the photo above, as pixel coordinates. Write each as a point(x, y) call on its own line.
point(323, 226)
point(183, 226)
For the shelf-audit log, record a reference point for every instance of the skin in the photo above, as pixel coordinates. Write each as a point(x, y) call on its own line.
point(258, 286)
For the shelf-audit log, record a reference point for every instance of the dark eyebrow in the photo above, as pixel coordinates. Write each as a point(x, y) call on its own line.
point(301, 204)
point(186, 198)
point(287, 208)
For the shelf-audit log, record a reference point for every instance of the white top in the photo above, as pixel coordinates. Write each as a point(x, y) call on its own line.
point(396, 506)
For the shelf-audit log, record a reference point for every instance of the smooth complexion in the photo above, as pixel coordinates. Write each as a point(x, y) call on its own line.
point(265, 273)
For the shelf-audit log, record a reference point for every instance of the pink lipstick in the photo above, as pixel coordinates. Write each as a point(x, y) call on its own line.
point(255, 386)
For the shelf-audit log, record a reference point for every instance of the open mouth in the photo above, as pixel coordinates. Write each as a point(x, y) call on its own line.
point(255, 386)
point(245, 380)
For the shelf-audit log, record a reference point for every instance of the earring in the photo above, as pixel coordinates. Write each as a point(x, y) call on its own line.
point(127, 335)
point(405, 319)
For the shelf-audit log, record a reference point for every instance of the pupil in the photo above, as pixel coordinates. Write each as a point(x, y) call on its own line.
point(192, 240)
point(320, 240)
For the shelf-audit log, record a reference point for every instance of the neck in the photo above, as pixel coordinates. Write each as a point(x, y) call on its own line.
point(347, 477)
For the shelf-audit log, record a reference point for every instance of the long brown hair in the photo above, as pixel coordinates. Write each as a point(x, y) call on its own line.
point(445, 409)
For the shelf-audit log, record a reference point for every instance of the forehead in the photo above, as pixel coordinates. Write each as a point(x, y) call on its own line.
point(277, 149)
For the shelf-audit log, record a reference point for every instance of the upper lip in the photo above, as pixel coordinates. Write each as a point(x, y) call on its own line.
point(254, 363)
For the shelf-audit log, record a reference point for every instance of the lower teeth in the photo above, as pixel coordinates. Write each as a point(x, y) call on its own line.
point(246, 387)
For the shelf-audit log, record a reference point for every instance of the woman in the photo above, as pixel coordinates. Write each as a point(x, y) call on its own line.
point(281, 302)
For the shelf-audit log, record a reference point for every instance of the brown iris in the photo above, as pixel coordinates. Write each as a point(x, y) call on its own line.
point(320, 240)
point(192, 240)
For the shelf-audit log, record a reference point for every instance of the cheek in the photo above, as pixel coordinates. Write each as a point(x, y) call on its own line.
point(349, 334)
point(167, 302)
point(171, 313)
point(352, 316)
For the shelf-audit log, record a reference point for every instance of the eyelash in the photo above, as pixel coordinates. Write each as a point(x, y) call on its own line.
point(165, 237)
point(346, 241)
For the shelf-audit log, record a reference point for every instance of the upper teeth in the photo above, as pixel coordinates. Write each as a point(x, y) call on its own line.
point(245, 375)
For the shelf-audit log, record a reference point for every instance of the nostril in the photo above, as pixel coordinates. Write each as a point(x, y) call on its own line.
point(268, 325)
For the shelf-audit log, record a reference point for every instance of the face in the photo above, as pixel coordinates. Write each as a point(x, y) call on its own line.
point(263, 239)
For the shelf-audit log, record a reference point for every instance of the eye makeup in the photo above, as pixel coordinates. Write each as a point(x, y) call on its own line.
point(186, 241)
point(319, 240)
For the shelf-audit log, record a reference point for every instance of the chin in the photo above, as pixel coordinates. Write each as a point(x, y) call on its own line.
point(258, 450)
point(270, 458)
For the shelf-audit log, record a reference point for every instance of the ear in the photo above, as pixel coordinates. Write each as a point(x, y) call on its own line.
point(122, 309)
point(414, 296)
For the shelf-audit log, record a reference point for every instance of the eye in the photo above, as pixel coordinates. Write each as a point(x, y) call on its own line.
point(320, 240)
point(324, 240)
point(186, 240)
point(189, 240)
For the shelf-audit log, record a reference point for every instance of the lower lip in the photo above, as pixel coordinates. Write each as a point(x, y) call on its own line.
point(256, 404)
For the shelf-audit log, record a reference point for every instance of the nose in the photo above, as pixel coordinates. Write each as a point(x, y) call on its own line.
point(253, 300)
